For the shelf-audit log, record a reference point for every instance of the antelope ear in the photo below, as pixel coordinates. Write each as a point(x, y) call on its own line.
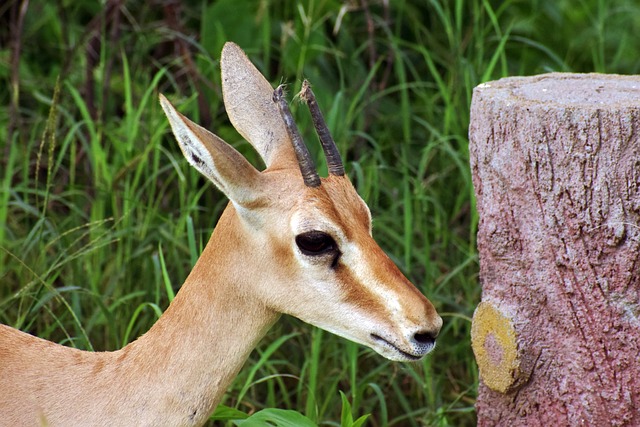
point(248, 99)
point(214, 158)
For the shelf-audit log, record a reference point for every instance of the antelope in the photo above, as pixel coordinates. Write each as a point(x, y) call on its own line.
point(288, 242)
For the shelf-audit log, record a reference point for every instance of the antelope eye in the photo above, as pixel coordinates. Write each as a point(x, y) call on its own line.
point(315, 243)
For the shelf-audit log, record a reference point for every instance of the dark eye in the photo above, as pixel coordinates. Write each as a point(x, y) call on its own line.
point(316, 243)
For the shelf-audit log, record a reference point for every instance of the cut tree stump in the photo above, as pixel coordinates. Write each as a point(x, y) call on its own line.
point(556, 168)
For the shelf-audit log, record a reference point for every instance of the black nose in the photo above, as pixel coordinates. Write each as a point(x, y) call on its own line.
point(425, 337)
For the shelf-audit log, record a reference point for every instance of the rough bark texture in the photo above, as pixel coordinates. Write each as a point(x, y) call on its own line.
point(556, 170)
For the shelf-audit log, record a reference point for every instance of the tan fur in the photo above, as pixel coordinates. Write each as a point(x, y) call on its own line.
point(250, 272)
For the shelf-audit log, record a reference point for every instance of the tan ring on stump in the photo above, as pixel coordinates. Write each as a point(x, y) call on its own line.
point(493, 339)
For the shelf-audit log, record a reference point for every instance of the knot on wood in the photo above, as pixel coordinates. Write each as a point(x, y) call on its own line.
point(494, 343)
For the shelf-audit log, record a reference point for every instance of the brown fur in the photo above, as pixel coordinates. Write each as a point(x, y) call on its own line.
point(250, 271)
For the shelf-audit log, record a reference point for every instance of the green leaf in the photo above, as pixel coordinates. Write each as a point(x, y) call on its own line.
point(276, 418)
point(225, 413)
point(360, 421)
point(346, 419)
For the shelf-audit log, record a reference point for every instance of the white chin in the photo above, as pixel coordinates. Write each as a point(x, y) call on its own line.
point(395, 354)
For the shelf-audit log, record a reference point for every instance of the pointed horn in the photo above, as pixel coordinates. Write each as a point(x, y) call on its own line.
point(308, 169)
point(334, 161)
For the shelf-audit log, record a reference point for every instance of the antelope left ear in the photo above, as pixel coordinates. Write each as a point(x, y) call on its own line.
point(214, 158)
point(248, 99)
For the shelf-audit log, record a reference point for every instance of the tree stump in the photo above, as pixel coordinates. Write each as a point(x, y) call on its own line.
point(556, 169)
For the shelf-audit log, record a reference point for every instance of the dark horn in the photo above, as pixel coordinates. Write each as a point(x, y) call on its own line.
point(308, 169)
point(334, 161)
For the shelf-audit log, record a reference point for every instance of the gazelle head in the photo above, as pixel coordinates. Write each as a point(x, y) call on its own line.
point(309, 237)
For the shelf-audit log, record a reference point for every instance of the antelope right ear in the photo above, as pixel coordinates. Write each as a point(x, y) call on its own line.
point(214, 158)
point(248, 99)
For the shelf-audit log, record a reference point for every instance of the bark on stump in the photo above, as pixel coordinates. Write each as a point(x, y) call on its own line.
point(556, 169)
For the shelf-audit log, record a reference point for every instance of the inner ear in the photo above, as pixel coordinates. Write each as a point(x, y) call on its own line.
point(215, 159)
point(196, 157)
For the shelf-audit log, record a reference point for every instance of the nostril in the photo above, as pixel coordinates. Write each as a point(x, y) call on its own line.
point(425, 338)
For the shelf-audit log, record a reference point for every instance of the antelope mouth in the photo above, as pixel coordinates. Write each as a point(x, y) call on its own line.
point(410, 357)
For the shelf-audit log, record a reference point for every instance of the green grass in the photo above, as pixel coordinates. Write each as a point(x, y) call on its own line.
point(101, 218)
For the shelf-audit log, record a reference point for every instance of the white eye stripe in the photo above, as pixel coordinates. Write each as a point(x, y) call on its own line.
point(364, 273)
point(312, 220)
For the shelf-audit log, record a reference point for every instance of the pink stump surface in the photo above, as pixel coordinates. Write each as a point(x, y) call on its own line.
point(556, 169)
